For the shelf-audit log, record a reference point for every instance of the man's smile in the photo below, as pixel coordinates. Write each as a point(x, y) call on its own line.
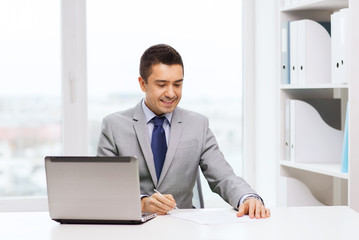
point(168, 102)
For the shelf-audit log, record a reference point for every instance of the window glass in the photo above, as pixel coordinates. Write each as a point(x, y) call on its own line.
point(208, 36)
point(30, 98)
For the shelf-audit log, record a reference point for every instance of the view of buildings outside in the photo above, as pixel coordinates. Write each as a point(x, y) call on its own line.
point(30, 128)
point(30, 94)
point(207, 35)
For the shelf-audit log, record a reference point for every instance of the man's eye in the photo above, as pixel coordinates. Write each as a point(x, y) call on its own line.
point(161, 85)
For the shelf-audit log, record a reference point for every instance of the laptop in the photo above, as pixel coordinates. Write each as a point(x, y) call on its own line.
point(94, 190)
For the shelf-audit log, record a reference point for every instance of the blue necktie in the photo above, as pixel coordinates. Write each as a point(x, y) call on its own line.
point(158, 144)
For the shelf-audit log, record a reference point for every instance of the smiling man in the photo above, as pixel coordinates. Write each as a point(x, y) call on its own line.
point(170, 143)
point(163, 88)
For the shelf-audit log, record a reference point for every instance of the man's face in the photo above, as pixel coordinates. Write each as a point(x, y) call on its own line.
point(163, 88)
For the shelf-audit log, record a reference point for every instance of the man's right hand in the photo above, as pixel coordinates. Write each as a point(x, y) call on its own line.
point(157, 203)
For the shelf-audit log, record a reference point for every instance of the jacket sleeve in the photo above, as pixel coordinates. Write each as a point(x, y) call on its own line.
point(106, 145)
point(219, 174)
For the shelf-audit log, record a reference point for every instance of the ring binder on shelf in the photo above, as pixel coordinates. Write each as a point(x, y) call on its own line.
point(310, 55)
point(312, 140)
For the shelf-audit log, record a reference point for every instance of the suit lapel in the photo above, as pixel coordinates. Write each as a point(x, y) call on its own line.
point(175, 136)
point(140, 126)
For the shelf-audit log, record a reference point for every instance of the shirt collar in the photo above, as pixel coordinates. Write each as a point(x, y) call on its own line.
point(149, 114)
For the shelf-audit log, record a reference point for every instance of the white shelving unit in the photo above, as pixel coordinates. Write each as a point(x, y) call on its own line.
point(316, 4)
point(325, 181)
point(318, 86)
point(329, 169)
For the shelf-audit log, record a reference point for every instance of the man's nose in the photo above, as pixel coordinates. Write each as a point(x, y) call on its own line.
point(170, 93)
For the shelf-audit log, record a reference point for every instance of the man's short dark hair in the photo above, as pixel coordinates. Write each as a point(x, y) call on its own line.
point(160, 53)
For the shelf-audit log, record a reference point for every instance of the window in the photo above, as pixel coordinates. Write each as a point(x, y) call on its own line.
point(208, 36)
point(30, 102)
point(206, 33)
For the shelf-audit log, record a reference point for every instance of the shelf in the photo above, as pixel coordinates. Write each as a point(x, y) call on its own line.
point(325, 180)
point(317, 86)
point(317, 5)
point(330, 169)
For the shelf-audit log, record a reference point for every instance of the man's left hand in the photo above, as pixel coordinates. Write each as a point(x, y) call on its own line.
point(254, 208)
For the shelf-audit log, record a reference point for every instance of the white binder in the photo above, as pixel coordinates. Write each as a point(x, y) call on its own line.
point(285, 68)
point(287, 131)
point(344, 45)
point(335, 62)
point(312, 140)
point(302, 53)
point(310, 56)
point(294, 193)
point(293, 53)
point(314, 55)
point(340, 46)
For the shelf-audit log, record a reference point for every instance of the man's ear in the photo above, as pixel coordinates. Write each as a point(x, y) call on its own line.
point(142, 83)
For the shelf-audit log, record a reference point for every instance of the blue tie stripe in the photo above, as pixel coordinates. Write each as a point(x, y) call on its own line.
point(158, 144)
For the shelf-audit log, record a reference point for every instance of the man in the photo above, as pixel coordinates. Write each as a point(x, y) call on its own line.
point(170, 143)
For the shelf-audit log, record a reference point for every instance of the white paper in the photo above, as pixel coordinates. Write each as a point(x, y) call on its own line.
point(211, 216)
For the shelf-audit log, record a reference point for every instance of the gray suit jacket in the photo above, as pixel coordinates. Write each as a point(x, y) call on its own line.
point(191, 144)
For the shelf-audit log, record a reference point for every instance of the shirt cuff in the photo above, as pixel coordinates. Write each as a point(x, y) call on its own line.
point(244, 197)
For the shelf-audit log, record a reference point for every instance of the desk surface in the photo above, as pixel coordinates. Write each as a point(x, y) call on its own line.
point(285, 223)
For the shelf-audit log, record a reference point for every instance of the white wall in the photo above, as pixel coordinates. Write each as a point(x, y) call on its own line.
point(354, 102)
point(265, 99)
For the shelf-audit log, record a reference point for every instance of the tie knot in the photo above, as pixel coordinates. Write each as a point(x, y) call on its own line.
point(158, 121)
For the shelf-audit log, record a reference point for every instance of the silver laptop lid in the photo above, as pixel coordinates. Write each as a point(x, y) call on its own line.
point(93, 188)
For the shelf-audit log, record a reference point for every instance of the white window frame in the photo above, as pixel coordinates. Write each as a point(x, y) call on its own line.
point(74, 77)
point(248, 92)
point(74, 94)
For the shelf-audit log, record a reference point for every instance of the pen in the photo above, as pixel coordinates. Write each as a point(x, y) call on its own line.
point(162, 196)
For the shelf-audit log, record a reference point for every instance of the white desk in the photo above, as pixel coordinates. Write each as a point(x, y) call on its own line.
point(285, 223)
